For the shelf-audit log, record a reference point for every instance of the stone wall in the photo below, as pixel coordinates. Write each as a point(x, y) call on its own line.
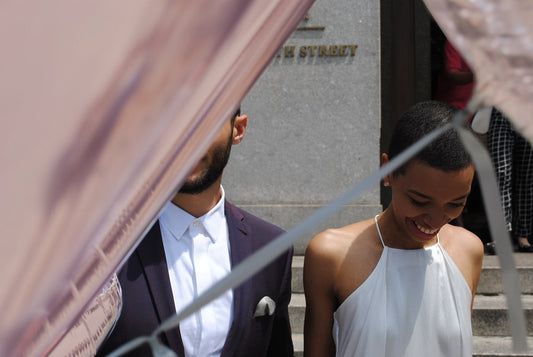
point(314, 121)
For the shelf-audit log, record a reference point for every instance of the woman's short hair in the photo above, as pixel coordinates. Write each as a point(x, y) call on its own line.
point(445, 153)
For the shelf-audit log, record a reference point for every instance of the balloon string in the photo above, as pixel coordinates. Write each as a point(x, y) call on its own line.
point(495, 217)
point(264, 256)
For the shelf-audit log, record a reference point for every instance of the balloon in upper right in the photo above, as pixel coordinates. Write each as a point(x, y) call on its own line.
point(496, 39)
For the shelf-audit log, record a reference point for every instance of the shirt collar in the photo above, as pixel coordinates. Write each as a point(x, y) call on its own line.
point(214, 221)
point(178, 221)
point(175, 219)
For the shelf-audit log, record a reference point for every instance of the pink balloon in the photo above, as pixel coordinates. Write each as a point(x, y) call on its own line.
point(496, 38)
point(91, 329)
point(105, 107)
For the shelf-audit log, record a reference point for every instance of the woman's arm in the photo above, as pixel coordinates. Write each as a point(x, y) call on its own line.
point(477, 253)
point(319, 276)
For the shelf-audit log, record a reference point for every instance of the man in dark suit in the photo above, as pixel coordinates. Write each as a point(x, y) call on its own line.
point(196, 241)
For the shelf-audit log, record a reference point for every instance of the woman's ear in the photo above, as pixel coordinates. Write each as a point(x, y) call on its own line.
point(239, 128)
point(384, 160)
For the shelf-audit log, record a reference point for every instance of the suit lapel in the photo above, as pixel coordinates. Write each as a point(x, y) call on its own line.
point(152, 256)
point(241, 247)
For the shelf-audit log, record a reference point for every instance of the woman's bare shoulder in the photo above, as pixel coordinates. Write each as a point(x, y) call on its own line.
point(456, 237)
point(332, 248)
point(466, 250)
point(337, 241)
point(343, 258)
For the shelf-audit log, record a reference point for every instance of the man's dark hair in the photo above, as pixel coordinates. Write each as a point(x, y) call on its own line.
point(445, 153)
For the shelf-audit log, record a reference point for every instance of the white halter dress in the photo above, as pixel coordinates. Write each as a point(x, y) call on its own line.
point(415, 303)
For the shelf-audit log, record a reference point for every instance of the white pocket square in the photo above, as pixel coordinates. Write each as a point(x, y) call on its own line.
point(265, 307)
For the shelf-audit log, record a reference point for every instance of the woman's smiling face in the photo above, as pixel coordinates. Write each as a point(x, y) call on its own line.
point(424, 199)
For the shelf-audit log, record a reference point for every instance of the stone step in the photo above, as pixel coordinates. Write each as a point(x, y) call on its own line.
point(297, 312)
point(498, 347)
point(489, 283)
point(482, 346)
point(298, 274)
point(489, 316)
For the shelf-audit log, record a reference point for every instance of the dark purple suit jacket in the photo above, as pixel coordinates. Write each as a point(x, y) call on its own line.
point(147, 296)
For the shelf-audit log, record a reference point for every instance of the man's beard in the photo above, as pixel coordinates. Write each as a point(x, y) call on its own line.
point(219, 160)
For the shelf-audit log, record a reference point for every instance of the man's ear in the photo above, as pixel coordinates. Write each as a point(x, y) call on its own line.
point(239, 128)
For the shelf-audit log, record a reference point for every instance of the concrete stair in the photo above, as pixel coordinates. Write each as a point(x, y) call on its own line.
point(489, 318)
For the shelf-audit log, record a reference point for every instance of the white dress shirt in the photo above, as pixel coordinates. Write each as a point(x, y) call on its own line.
point(198, 255)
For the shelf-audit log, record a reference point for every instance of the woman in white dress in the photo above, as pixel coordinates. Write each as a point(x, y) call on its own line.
point(401, 283)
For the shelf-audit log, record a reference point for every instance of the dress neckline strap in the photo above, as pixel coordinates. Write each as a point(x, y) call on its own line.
point(379, 232)
point(381, 237)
